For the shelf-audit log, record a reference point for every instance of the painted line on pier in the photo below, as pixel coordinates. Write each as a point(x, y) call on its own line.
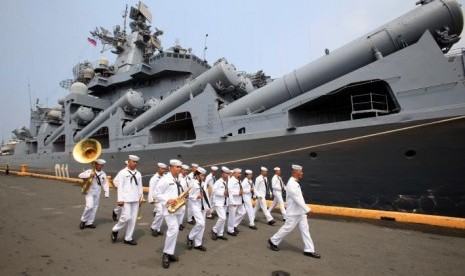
point(449, 222)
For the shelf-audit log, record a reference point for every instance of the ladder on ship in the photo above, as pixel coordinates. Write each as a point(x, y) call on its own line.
point(369, 105)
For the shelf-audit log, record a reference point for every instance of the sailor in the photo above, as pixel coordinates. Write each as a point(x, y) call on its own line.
point(7, 169)
point(261, 190)
point(297, 212)
point(198, 197)
point(118, 209)
point(190, 176)
point(247, 192)
point(157, 214)
point(167, 190)
point(130, 193)
point(99, 182)
point(236, 203)
point(219, 201)
point(183, 180)
point(278, 188)
point(209, 181)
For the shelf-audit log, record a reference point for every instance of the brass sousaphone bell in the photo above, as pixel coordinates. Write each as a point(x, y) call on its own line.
point(84, 152)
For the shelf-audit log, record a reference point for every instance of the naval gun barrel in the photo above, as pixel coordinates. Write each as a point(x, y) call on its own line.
point(130, 100)
point(222, 73)
point(54, 135)
point(389, 38)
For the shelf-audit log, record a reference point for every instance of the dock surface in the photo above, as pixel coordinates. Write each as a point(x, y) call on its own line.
point(40, 236)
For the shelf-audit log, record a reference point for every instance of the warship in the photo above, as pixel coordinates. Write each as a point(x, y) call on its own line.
point(378, 123)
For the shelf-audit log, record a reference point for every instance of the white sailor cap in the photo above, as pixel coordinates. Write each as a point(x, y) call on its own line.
point(296, 167)
point(161, 165)
point(224, 169)
point(126, 162)
point(277, 168)
point(194, 165)
point(184, 166)
point(133, 158)
point(237, 170)
point(264, 169)
point(248, 172)
point(214, 168)
point(175, 162)
point(201, 170)
point(100, 161)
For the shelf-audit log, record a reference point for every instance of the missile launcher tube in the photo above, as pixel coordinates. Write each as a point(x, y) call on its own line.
point(131, 99)
point(394, 36)
point(222, 72)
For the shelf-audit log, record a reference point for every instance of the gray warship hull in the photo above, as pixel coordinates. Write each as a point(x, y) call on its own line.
point(377, 124)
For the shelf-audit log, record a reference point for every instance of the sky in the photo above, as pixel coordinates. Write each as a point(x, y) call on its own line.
point(43, 40)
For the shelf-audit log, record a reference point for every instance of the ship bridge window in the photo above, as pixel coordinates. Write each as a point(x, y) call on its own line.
point(355, 101)
point(178, 127)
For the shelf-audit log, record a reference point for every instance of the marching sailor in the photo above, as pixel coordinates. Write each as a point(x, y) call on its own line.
point(297, 212)
point(198, 197)
point(236, 203)
point(219, 198)
point(130, 196)
point(184, 183)
point(99, 181)
point(157, 214)
point(167, 190)
point(278, 188)
point(261, 190)
point(247, 192)
point(118, 209)
point(190, 176)
point(209, 181)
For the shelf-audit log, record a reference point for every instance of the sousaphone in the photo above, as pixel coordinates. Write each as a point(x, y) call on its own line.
point(87, 151)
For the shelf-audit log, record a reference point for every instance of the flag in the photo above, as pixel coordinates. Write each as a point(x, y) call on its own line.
point(92, 41)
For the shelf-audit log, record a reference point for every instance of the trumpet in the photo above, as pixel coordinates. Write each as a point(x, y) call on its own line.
point(84, 152)
point(180, 201)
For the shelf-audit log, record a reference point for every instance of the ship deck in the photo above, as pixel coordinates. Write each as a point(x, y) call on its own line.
point(40, 236)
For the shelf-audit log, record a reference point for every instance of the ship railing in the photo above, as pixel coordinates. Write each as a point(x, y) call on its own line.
point(369, 103)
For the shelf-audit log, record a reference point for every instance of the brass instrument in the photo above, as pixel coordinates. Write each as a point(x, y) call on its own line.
point(180, 201)
point(142, 201)
point(84, 152)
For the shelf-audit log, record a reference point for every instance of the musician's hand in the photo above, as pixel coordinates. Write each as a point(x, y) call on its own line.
point(200, 196)
point(240, 192)
point(310, 213)
point(171, 202)
point(92, 174)
point(121, 203)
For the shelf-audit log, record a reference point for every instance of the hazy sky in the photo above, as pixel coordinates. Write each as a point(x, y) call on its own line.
point(43, 40)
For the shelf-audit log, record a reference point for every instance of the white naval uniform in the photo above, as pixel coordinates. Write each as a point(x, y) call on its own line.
point(209, 181)
point(169, 187)
point(296, 215)
point(189, 178)
point(277, 185)
point(157, 210)
point(199, 210)
point(93, 194)
point(236, 206)
point(118, 209)
point(220, 205)
point(261, 185)
point(130, 192)
point(247, 196)
point(182, 210)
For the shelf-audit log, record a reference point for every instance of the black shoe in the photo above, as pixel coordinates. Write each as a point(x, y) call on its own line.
point(236, 230)
point(189, 243)
point(312, 254)
point(201, 248)
point(222, 238)
point(181, 227)
point(253, 227)
point(271, 222)
point(273, 246)
point(154, 232)
point(284, 220)
point(165, 261)
point(160, 233)
point(114, 236)
point(82, 225)
point(232, 233)
point(131, 242)
point(91, 226)
point(191, 222)
point(173, 258)
point(214, 235)
point(114, 216)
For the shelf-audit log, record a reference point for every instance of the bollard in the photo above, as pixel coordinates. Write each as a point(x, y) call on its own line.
point(23, 168)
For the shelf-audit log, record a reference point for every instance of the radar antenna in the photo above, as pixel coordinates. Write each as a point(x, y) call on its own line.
point(205, 48)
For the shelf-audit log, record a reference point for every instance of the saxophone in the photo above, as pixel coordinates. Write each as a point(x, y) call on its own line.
point(180, 201)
